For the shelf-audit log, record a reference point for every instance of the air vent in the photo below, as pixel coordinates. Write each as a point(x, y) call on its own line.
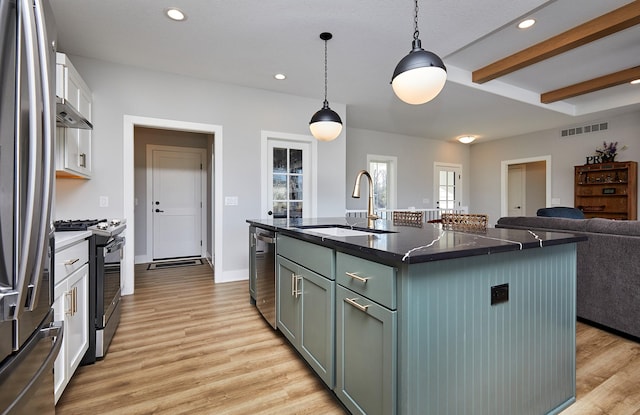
point(593, 128)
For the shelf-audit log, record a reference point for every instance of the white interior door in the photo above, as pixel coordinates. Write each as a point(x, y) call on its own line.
point(176, 203)
point(516, 191)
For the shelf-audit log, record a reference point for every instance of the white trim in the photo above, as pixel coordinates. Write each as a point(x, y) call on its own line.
point(393, 180)
point(265, 136)
point(150, 148)
point(131, 121)
point(504, 174)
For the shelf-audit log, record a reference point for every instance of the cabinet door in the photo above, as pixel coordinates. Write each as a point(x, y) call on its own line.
point(366, 355)
point(288, 298)
point(60, 306)
point(317, 328)
point(77, 323)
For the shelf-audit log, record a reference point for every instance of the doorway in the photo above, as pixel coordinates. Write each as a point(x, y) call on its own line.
point(214, 172)
point(289, 175)
point(525, 186)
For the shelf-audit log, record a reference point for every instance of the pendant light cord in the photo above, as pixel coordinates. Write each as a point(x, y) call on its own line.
point(416, 33)
point(325, 71)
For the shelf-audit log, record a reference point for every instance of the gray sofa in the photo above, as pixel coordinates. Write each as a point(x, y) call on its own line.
point(608, 269)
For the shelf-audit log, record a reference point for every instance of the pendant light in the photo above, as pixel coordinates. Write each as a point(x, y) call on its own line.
point(325, 125)
point(419, 76)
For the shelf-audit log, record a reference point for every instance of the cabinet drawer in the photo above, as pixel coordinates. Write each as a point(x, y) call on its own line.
point(70, 259)
point(375, 281)
point(317, 258)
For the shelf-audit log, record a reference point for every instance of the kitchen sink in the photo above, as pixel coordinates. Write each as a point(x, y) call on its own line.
point(341, 230)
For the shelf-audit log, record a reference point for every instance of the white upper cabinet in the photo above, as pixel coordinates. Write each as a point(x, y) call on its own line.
point(73, 146)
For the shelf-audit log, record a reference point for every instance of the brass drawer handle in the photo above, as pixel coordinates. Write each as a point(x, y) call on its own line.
point(360, 307)
point(71, 261)
point(357, 277)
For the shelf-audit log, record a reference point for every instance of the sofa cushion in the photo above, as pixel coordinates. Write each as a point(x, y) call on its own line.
point(614, 227)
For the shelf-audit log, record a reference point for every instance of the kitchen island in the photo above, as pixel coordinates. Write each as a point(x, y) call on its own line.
point(430, 320)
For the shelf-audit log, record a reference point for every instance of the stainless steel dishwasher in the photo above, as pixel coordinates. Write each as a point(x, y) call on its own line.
point(265, 260)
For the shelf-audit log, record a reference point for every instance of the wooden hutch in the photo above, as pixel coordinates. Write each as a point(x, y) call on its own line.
point(607, 190)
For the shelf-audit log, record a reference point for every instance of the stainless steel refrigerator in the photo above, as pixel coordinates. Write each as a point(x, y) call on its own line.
point(29, 338)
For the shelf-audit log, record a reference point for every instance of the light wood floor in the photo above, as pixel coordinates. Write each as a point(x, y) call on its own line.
point(187, 346)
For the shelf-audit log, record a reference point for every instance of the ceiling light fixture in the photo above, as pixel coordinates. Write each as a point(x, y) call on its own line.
point(527, 23)
point(466, 139)
point(280, 76)
point(325, 125)
point(420, 76)
point(635, 82)
point(175, 14)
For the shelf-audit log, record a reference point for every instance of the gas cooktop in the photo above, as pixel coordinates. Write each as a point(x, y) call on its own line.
point(76, 224)
point(104, 227)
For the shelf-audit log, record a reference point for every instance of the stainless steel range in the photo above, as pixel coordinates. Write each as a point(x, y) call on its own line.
point(106, 248)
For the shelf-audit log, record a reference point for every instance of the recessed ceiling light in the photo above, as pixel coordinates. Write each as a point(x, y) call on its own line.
point(635, 82)
point(175, 14)
point(525, 24)
point(466, 139)
point(280, 76)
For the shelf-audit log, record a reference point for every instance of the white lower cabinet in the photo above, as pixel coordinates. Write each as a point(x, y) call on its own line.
point(71, 305)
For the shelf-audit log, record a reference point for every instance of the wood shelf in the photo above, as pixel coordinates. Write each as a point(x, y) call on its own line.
point(607, 190)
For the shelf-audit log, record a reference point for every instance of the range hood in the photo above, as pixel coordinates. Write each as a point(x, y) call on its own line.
point(69, 117)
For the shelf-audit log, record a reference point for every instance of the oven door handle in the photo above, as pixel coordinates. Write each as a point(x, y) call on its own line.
point(116, 245)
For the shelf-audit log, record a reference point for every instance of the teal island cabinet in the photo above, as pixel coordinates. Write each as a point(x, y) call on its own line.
point(430, 320)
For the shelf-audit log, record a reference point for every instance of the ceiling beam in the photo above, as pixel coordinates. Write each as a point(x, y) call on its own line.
point(596, 84)
point(605, 25)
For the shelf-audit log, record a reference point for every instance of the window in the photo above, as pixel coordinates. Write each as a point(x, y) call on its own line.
point(383, 173)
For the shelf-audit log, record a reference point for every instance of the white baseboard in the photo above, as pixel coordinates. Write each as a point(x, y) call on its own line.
point(232, 275)
point(142, 259)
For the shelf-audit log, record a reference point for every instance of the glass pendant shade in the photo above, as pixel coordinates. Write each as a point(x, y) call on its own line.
point(325, 125)
point(419, 77)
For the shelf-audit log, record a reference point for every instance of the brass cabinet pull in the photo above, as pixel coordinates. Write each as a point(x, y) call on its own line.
point(357, 277)
point(71, 261)
point(69, 296)
point(360, 307)
point(295, 291)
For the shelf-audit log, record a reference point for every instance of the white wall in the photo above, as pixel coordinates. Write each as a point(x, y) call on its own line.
point(565, 152)
point(242, 112)
point(416, 157)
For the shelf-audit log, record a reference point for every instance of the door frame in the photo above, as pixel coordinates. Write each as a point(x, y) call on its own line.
point(129, 123)
point(504, 174)
point(150, 148)
point(265, 136)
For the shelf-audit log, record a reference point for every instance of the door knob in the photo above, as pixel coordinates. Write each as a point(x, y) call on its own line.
point(158, 210)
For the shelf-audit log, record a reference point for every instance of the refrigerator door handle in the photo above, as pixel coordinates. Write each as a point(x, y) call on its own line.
point(47, 138)
point(36, 217)
point(24, 254)
point(55, 330)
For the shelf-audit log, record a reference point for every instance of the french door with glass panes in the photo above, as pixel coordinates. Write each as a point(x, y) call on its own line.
point(289, 179)
point(448, 185)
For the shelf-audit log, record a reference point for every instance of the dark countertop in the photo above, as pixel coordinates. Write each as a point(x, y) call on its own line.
point(409, 244)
